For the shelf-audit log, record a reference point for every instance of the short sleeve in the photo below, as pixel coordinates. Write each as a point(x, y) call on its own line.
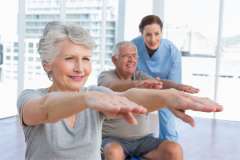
point(106, 77)
point(25, 96)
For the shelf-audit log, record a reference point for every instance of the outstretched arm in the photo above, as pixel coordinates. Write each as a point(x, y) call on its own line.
point(177, 101)
point(109, 79)
point(167, 84)
point(58, 105)
point(123, 85)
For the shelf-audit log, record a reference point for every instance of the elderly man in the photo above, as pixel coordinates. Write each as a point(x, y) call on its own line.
point(120, 140)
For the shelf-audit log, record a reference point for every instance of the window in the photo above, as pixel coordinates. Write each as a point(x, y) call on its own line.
point(229, 69)
point(192, 26)
point(8, 88)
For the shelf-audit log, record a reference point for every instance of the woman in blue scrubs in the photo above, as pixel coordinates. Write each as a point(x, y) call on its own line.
point(159, 57)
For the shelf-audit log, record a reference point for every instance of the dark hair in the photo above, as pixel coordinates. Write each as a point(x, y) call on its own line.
point(150, 19)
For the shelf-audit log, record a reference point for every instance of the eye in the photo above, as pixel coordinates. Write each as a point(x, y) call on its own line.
point(148, 34)
point(68, 58)
point(86, 58)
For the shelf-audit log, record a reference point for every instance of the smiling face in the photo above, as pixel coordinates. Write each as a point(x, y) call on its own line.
point(71, 67)
point(126, 61)
point(152, 34)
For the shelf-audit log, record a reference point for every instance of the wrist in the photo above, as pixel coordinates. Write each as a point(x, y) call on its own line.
point(86, 98)
point(135, 84)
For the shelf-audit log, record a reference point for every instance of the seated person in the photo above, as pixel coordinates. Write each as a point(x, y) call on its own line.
point(64, 120)
point(121, 140)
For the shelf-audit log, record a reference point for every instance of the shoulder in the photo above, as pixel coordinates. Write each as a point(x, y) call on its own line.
point(171, 47)
point(32, 93)
point(106, 77)
point(109, 72)
point(167, 42)
point(28, 94)
point(137, 40)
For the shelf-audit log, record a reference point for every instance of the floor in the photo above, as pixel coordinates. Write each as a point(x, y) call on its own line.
point(12, 144)
point(209, 140)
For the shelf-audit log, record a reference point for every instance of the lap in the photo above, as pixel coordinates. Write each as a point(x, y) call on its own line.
point(136, 147)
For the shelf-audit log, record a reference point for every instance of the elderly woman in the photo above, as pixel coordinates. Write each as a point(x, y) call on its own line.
point(64, 121)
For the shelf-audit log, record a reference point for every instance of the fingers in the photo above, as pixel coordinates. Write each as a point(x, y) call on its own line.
point(115, 106)
point(129, 106)
point(139, 110)
point(189, 89)
point(184, 117)
point(129, 117)
point(153, 84)
point(183, 101)
point(201, 104)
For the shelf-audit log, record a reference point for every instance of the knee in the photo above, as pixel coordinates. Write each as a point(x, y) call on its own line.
point(113, 151)
point(172, 151)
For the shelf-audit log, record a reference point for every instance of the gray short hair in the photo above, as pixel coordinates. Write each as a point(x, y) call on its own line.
point(55, 32)
point(116, 50)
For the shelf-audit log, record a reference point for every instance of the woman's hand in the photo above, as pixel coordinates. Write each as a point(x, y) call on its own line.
point(149, 83)
point(114, 106)
point(179, 101)
point(187, 88)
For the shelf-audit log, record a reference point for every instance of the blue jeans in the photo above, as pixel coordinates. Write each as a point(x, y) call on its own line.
point(167, 126)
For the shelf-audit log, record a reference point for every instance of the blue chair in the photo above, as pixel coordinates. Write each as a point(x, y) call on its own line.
point(135, 158)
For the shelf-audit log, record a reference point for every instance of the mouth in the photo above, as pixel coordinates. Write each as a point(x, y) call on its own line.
point(132, 65)
point(153, 45)
point(77, 78)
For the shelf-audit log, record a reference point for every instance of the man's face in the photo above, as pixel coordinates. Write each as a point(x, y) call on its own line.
point(126, 61)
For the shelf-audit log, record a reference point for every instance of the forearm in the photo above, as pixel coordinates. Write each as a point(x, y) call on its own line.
point(59, 105)
point(167, 84)
point(151, 99)
point(120, 85)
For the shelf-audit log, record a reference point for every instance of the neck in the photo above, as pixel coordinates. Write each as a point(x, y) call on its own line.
point(54, 88)
point(151, 51)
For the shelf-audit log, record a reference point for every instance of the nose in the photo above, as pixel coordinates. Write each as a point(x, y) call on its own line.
point(78, 66)
point(153, 38)
point(131, 58)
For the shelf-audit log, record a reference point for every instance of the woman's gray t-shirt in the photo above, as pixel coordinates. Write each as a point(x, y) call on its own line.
point(58, 141)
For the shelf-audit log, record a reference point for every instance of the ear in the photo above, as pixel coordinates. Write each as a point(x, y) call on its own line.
point(47, 67)
point(114, 60)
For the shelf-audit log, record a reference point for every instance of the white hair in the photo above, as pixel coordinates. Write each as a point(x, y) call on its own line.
point(119, 45)
point(55, 32)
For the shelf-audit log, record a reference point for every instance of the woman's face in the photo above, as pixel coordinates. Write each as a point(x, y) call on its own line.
point(71, 67)
point(152, 34)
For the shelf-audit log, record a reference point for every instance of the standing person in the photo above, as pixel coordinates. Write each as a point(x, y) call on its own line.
point(159, 57)
point(64, 120)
